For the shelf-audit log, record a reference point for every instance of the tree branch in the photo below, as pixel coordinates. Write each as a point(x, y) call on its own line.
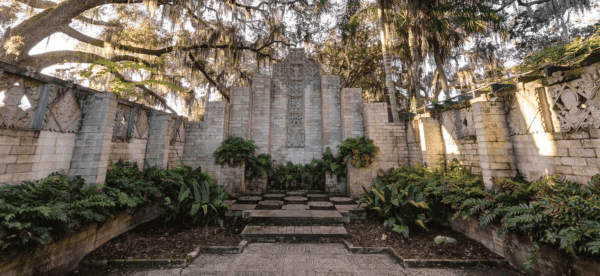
point(200, 67)
point(145, 89)
point(38, 4)
point(95, 22)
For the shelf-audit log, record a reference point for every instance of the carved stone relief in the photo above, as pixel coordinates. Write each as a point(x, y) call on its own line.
point(18, 102)
point(524, 113)
point(142, 124)
point(178, 131)
point(576, 102)
point(467, 128)
point(449, 124)
point(121, 122)
point(295, 73)
point(64, 111)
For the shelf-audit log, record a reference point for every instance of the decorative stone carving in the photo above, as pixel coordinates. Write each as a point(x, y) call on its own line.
point(556, 77)
point(121, 122)
point(295, 73)
point(467, 128)
point(13, 112)
point(449, 123)
point(524, 113)
point(142, 124)
point(178, 131)
point(577, 102)
point(65, 111)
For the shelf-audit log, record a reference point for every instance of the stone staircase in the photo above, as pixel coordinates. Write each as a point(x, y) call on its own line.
point(295, 216)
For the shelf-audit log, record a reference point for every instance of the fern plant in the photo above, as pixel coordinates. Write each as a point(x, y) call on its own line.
point(234, 151)
point(360, 150)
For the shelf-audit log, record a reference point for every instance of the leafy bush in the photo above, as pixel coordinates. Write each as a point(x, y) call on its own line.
point(199, 200)
point(553, 210)
point(291, 176)
point(35, 212)
point(399, 207)
point(259, 166)
point(360, 150)
point(234, 151)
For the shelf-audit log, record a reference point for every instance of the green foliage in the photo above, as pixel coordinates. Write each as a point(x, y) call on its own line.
point(566, 55)
point(259, 166)
point(291, 176)
point(443, 240)
point(199, 200)
point(401, 207)
point(553, 210)
point(234, 151)
point(360, 150)
point(35, 212)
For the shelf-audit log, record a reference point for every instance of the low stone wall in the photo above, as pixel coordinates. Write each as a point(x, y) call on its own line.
point(67, 127)
point(516, 249)
point(61, 256)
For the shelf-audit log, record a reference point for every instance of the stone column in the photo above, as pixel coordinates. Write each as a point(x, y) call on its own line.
point(332, 121)
point(496, 151)
point(241, 105)
point(352, 113)
point(93, 142)
point(432, 143)
point(157, 147)
point(261, 112)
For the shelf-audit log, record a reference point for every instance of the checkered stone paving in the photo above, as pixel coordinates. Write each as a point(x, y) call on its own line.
point(304, 259)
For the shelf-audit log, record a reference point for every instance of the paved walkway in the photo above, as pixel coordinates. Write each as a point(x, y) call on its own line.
point(271, 259)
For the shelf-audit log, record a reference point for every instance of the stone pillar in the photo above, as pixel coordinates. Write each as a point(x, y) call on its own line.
point(496, 151)
point(241, 104)
point(157, 147)
point(261, 112)
point(332, 121)
point(432, 143)
point(93, 142)
point(352, 113)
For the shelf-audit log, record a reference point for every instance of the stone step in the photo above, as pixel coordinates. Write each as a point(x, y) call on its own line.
point(270, 204)
point(236, 210)
point(352, 212)
point(294, 233)
point(293, 217)
point(296, 193)
point(341, 200)
point(317, 197)
point(295, 207)
point(321, 205)
point(274, 196)
point(295, 200)
point(248, 200)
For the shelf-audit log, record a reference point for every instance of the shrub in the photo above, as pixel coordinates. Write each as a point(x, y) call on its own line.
point(553, 210)
point(360, 150)
point(198, 202)
point(234, 151)
point(259, 166)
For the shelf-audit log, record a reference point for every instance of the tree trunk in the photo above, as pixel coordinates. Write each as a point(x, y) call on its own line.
point(387, 59)
point(440, 69)
point(415, 85)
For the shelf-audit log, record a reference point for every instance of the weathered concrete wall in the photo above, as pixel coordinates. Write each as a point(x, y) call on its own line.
point(391, 140)
point(63, 255)
point(66, 127)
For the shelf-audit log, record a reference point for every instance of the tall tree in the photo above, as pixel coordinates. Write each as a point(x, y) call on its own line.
point(152, 49)
point(386, 43)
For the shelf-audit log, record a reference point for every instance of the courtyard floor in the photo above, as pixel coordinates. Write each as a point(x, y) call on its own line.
point(275, 259)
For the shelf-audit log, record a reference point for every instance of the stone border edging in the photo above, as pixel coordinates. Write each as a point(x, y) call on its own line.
point(171, 263)
point(423, 263)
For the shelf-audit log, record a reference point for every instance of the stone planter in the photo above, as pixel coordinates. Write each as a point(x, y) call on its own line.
point(61, 256)
point(516, 249)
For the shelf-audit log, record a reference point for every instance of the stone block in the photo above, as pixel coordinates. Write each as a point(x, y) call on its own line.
point(582, 153)
point(22, 150)
point(573, 161)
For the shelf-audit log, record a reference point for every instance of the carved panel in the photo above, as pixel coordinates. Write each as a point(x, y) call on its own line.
point(577, 103)
point(524, 113)
point(449, 124)
point(121, 122)
point(18, 101)
point(467, 128)
point(64, 111)
point(295, 73)
point(141, 125)
point(178, 131)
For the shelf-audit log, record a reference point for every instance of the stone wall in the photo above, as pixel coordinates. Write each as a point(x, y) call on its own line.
point(66, 127)
point(549, 126)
